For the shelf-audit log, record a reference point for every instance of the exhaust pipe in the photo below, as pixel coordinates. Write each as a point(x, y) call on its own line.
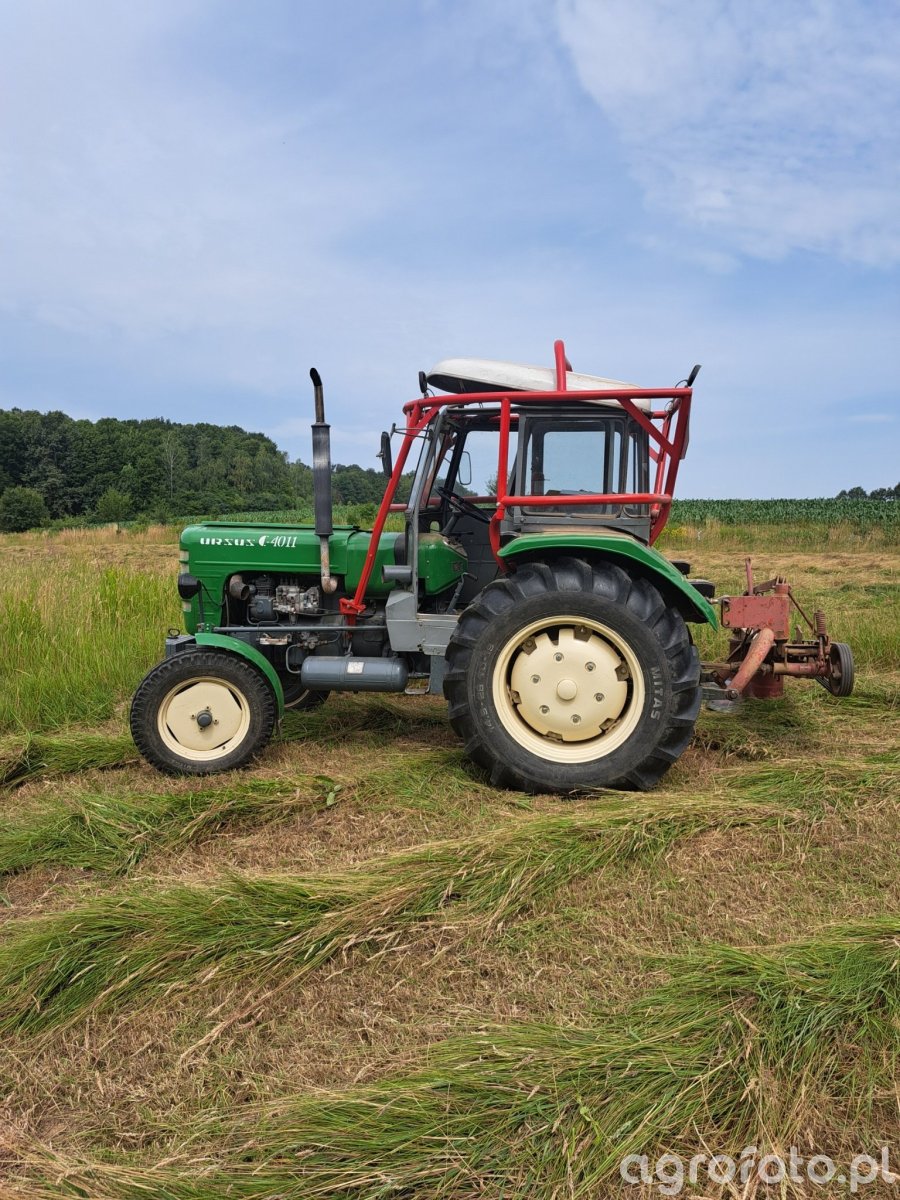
point(321, 443)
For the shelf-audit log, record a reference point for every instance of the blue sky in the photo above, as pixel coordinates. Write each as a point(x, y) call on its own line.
point(201, 198)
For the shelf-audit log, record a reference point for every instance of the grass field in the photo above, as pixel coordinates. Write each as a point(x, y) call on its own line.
point(358, 971)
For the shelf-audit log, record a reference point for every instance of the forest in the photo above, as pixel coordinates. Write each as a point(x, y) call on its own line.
point(53, 467)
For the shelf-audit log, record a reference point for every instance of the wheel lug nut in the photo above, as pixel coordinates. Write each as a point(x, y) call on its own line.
point(535, 679)
point(589, 666)
point(575, 718)
point(558, 657)
point(544, 708)
point(598, 696)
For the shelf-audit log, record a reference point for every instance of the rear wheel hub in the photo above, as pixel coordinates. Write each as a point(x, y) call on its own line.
point(568, 689)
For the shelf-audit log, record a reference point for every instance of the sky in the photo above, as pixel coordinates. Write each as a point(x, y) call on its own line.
point(200, 199)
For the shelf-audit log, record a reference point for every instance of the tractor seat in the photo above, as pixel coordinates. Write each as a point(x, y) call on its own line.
point(462, 375)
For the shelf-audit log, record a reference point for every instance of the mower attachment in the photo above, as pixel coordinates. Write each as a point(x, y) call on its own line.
point(762, 651)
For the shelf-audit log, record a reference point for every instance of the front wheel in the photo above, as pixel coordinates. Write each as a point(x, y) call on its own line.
point(201, 712)
point(571, 675)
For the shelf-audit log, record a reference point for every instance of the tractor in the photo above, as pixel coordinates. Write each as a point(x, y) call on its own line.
point(537, 605)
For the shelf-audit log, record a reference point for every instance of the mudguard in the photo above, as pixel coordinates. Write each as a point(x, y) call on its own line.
point(630, 553)
point(221, 641)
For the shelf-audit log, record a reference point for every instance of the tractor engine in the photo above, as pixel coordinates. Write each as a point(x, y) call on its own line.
point(281, 600)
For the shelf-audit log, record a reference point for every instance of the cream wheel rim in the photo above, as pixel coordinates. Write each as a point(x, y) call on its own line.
point(568, 689)
point(203, 719)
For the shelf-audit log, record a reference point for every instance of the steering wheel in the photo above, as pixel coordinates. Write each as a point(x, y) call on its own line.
point(462, 506)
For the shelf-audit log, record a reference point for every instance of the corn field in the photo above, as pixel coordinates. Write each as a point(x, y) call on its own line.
point(858, 513)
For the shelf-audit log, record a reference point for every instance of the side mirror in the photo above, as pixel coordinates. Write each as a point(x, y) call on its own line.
point(387, 460)
point(464, 472)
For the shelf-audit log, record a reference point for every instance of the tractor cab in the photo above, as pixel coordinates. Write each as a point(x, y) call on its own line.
point(560, 454)
point(582, 448)
point(578, 449)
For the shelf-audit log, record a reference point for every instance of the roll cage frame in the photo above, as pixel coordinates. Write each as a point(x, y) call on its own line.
point(666, 427)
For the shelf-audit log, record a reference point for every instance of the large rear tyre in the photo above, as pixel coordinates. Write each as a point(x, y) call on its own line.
point(569, 675)
point(298, 698)
point(201, 712)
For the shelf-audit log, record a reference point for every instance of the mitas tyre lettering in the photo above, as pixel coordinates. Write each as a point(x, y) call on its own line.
point(657, 693)
point(570, 675)
point(202, 712)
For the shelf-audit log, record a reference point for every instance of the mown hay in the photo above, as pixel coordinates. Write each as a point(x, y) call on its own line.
point(535, 1110)
point(111, 949)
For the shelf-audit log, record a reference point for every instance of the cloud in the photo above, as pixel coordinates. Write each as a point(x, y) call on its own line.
point(164, 201)
point(195, 207)
point(771, 127)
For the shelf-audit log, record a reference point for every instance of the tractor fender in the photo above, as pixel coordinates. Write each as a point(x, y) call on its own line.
point(627, 552)
point(221, 641)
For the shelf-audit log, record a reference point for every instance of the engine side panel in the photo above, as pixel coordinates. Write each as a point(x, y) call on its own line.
point(214, 551)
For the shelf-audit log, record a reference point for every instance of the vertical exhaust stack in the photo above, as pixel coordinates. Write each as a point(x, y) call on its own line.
point(321, 443)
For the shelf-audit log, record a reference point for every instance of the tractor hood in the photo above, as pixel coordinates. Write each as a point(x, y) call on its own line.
point(226, 548)
point(216, 550)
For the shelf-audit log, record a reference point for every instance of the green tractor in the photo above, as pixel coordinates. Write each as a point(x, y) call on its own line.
point(558, 635)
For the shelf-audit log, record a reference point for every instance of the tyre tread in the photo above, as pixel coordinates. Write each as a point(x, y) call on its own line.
point(609, 582)
point(145, 704)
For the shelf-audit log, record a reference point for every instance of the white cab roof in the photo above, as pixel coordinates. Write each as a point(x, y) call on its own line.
point(461, 375)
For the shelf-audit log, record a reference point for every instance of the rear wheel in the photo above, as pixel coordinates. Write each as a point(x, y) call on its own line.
point(201, 712)
point(570, 675)
point(297, 697)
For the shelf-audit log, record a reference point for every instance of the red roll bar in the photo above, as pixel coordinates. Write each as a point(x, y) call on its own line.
point(668, 446)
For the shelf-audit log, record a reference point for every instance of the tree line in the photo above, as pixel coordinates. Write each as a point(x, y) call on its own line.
point(859, 493)
point(53, 467)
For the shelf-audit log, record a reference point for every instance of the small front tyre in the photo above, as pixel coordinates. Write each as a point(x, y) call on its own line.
point(201, 712)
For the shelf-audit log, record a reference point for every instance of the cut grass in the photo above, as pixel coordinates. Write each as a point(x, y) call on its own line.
point(109, 950)
point(424, 963)
point(104, 831)
point(38, 755)
point(114, 831)
point(737, 1049)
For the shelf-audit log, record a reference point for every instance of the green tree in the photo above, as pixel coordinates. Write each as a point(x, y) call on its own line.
point(22, 508)
point(114, 505)
point(174, 461)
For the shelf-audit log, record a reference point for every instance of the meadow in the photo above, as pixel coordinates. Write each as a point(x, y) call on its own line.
point(358, 971)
